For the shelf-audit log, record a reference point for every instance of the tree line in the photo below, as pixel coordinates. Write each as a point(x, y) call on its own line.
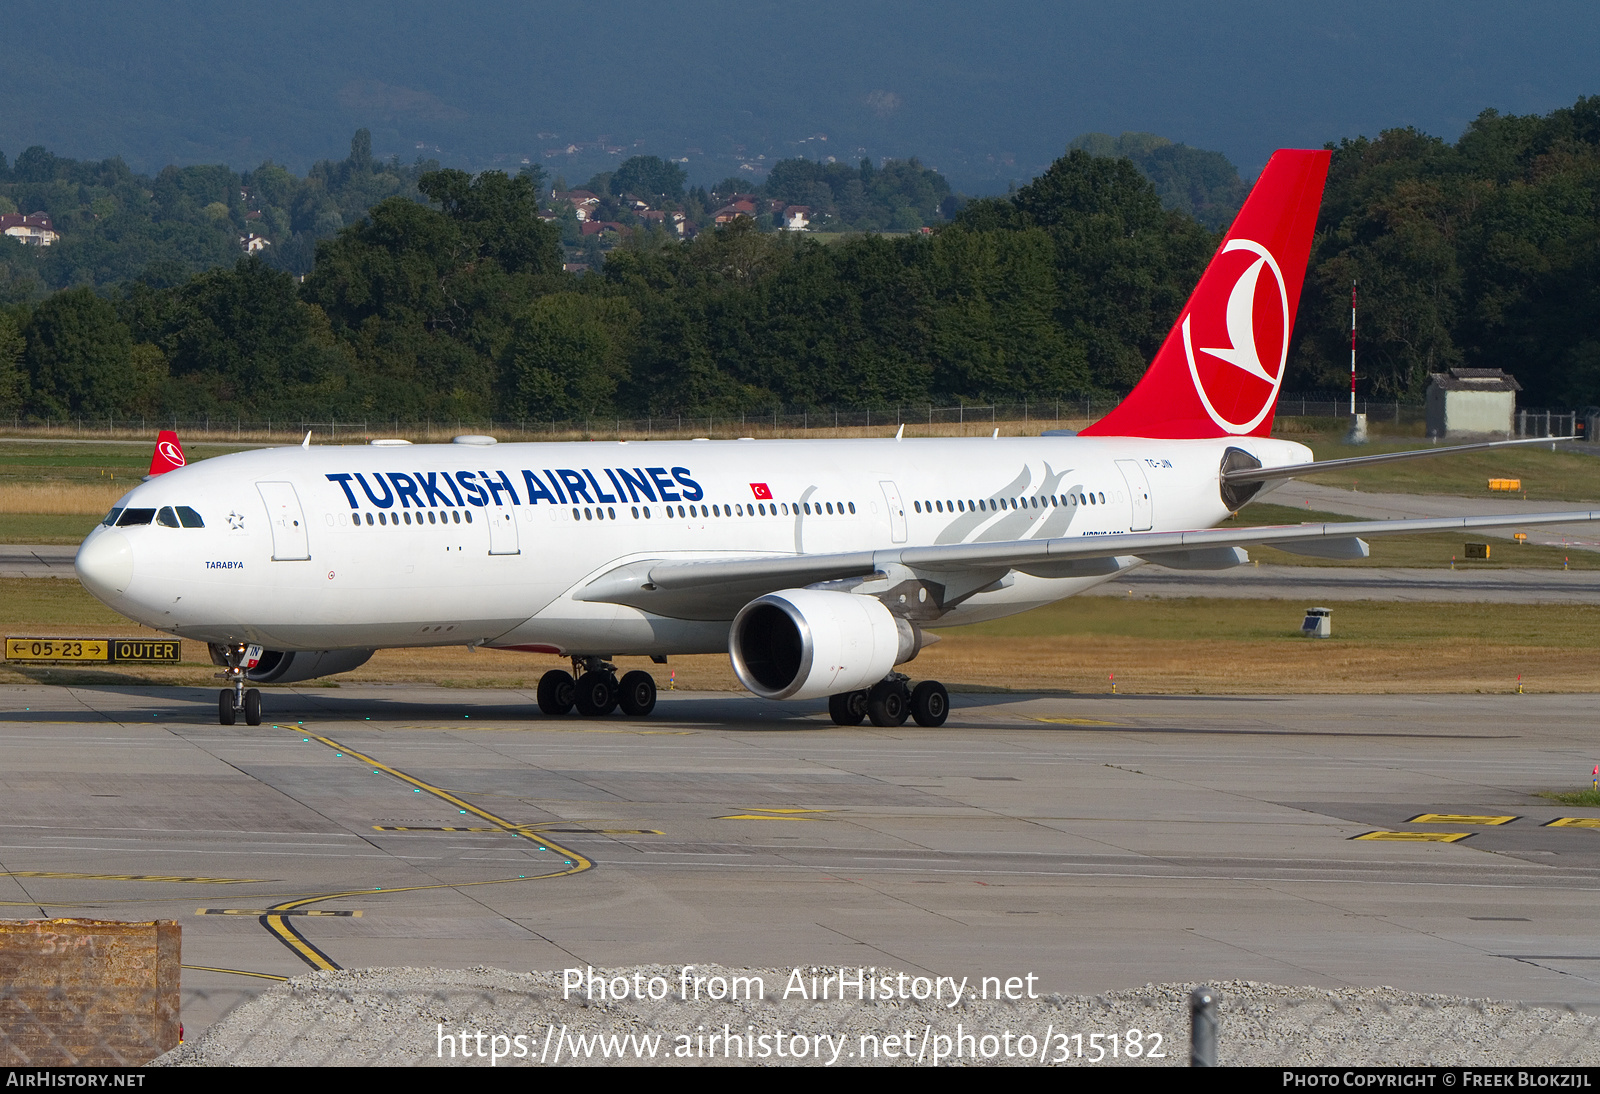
point(117, 226)
point(458, 306)
point(452, 301)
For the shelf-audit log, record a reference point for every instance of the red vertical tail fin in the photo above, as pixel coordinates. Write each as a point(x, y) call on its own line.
point(1219, 371)
point(168, 455)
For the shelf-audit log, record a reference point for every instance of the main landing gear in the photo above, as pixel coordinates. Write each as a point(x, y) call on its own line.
point(596, 691)
point(236, 699)
point(890, 701)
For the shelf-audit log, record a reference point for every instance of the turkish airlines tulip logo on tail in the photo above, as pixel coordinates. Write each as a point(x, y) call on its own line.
point(1237, 349)
point(170, 453)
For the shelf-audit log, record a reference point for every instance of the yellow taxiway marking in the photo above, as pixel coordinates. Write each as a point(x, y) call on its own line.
point(1076, 721)
point(776, 814)
point(276, 919)
point(475, 727)
point(1573, 822)
point(1416, 837)
point(137, 877)
point(236, 972)
point(262, 911)
point(1457, 818)
point(521, 829)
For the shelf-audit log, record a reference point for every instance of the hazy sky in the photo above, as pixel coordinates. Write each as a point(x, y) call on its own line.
point(984, 92)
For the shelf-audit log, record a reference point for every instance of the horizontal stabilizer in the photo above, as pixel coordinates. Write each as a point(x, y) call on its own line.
point(1297, 470)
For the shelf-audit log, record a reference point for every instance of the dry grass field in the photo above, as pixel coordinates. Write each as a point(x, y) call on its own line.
point(77, 498)
point(1075, 647)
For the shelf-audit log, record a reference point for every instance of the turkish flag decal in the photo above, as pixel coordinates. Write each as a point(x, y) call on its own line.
point(759, 489)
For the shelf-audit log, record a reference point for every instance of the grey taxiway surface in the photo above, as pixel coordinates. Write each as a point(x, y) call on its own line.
point(1098, 842)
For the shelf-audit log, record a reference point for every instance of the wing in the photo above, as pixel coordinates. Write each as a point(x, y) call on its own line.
point(715, 588)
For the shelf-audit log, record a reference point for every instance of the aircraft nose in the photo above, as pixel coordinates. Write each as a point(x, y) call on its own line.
point(105, 564)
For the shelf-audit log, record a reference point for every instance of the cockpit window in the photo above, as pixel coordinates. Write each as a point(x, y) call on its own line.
point(111, 517)
point(189, 517)
point(167, 517)
point(131, 517)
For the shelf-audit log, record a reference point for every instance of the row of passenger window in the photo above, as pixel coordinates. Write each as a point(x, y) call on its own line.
point(168, 516)
point(394, 518)
point(764, 509)
point(1040, 501)
point(448, 516)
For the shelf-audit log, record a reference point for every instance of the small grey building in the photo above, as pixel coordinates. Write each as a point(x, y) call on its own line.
point(1471, 402)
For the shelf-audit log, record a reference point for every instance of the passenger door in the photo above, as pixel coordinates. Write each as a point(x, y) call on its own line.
point(1138, 494)
point(502, 530)
point(897, 511)
point(289, 540)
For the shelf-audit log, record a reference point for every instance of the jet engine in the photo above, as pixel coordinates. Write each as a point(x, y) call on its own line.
point(807, 643)
point(279, 667)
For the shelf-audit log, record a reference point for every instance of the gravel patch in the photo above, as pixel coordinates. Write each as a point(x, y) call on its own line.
point(416, 1016)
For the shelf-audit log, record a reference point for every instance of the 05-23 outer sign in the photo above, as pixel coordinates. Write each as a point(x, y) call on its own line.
point(138, 651)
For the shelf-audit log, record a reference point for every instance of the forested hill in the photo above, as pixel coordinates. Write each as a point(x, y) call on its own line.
point(452, 301)
point(1483, 253)
point(116, 226)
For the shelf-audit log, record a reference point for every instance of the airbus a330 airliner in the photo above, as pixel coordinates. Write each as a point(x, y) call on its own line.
point(817, 565)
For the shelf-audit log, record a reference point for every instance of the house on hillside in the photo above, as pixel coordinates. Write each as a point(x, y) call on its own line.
point(35, 229)
point(796, 218)
point(254, 244)
point(744, 207)
point(583, 202)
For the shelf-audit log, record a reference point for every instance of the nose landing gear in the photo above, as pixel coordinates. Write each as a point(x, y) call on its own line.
point(236, 699)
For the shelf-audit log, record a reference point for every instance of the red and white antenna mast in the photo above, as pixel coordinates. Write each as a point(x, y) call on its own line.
point(1352, 349)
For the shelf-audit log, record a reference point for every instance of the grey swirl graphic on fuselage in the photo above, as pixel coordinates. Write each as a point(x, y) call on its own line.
point(1020, 522)
point(964, 525)
point(990, 526)
point(799, 528)
point(1060, 518)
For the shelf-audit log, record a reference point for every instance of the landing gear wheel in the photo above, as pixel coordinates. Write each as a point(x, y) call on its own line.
point(226, 713)
point(848, 708)
point(930, 703)
point(556, 692)
point(637, 694)
point(888, 704)
point(252, 707)
point(595, 693)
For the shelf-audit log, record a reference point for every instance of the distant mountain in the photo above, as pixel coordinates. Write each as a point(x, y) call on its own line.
point(983, 96)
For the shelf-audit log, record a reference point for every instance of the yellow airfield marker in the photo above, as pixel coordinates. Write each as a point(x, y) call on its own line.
point(1458, 818)
point(1415, 837)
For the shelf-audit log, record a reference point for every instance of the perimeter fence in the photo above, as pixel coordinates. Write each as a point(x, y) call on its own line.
point(1296, 412)
point(974, 418)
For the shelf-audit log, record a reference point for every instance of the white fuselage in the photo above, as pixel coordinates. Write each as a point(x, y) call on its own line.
point(382, 546)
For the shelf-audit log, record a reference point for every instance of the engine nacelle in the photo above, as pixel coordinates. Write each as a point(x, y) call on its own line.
point(278, 667)
point(807, 643)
